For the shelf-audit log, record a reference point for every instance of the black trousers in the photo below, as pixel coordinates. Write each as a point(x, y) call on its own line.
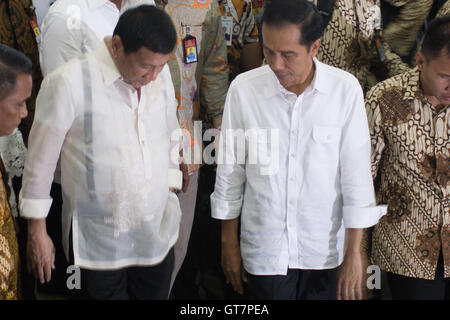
point(131, 283)
point(295, 285)
point(136, 283)
point(407, 288)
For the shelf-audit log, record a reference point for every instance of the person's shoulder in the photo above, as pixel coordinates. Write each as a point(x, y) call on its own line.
point(397, 83)
point(253, 78)
point(336, 77)
point(67, 7)
point(70, 71)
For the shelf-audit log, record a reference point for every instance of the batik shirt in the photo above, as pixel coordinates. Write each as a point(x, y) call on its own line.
point(444, 10)
point(348, 42)
point(9, 252)
point(245, 30)
point(411, 157)
point(16, 32)
point(401, 33)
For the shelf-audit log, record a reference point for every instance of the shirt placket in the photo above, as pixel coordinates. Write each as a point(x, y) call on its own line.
point(142, 134)
point(292, 178)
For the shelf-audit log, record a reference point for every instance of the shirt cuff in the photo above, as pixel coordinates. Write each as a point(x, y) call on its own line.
point(34, 208)
point(225, 210)
point(175, 179)
point(359, 218)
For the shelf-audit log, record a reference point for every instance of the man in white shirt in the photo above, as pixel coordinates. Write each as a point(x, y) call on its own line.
point(75, 27)
point(70, 29)
point(300, 182)
point(110, 115)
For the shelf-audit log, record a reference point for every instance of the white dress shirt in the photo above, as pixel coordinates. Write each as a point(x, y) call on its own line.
point(294, 215)
point(115, 163)
point(74, 27)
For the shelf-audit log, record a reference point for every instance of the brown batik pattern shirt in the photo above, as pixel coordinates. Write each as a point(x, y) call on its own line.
point(411, 158)
point(9, 251)
point(444, 10)
point(348, 42)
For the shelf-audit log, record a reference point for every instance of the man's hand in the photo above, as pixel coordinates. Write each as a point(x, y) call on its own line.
point(40, 251)
point(232, 266)
point(231, 255)
point(351, 284)
point(184, 168)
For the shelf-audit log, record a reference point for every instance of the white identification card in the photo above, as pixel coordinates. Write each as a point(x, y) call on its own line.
point(227, 26)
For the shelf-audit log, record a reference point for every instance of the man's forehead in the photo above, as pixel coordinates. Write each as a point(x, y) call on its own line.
point(283, 44)
point(147, 56)
point(285, 33)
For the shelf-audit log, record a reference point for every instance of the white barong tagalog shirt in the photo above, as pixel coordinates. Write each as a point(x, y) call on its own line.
point(294, 209)
point(115, 162)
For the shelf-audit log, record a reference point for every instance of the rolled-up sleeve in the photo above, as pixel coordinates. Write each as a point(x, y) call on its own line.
point(226, 201)
point(359, 207)
point(53, 119)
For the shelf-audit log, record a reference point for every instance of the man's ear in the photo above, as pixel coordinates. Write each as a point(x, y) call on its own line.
point(117, 45)
point(315, 47)
point(420, 60)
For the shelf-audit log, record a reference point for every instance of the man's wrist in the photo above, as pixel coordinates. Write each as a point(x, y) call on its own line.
point(36, 226)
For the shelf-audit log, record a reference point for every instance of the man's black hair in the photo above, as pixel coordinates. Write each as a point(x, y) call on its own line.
point(146, 26)
point(12, 64)
point(302, 13)
point(437, 38)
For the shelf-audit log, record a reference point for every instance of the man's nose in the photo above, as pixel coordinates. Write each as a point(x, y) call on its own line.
point(151, 75)
point(277, 63)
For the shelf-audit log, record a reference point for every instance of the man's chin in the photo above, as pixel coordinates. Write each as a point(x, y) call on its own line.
point(284, 81)
point(136, 85)
point(5, 133)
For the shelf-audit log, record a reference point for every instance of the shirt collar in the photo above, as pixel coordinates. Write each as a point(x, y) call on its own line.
point(317, 84)
point(93, 4)
point(107, 66)
point(413, 88)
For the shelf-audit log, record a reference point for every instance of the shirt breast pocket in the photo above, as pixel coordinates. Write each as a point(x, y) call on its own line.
point(324, 151)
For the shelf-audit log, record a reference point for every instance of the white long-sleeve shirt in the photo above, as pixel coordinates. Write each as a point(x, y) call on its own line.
point(75, 27)
point(294, 208)
point(115, 162)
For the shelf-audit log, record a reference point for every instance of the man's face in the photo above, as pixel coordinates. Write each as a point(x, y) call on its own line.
point(13, 107)
point(138, 68)
point(289, 60)
point(435, 76)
